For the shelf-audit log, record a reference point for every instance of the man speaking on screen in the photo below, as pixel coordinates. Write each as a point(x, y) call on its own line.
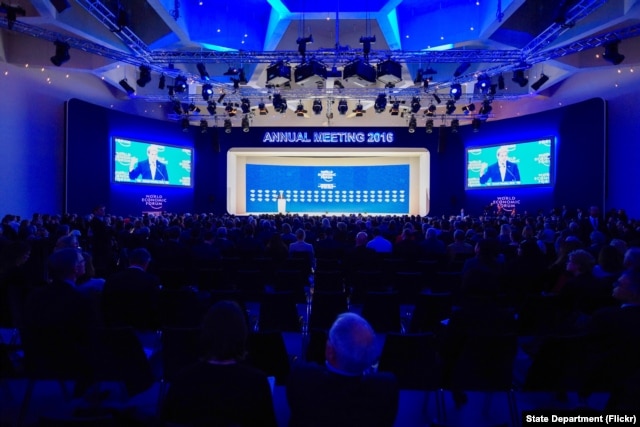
point(150, 169)
point(500, 171)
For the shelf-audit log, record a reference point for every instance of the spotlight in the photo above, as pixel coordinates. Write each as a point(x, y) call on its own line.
point(279, 73)
point(207, 91)
point(461, 69)
point(395, 108)
point(12, 13)
point(262, 109)
point(475, 125)
point(451, 106)
point(185, 124)
point(542, 80)
point(501, 82)
point(429, 126)
point(221, 97)
point(415, 104)
point(455, 91)
point(469, 108)
point(230, 109)
point(231, 71)
point(412, 124)
point(227, 126)
point(518, 77)
point(317, 106)
point(203, 126)
point(130, 91)
point(62, 53)
point(430, 110)
point(338, 84)
point(484, 83)
point(211, 107)
point(202, 69)
point(245, 124)
point(180, 84)
point(455, 123)
point(302, 45)
point(145, 76)
point(245, 105)
point(193, 108)
point(366, 41)
point(381, 103)
point(343, 107)
point(611, 53)
point(389, 72)
point(359, 110)
point(437, 98)
point(486, 108)
point(177, 108)
point(162, 82)
point(279, 103)
point(300, 111)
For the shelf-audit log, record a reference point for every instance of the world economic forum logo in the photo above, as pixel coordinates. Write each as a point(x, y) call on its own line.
point(327, 175)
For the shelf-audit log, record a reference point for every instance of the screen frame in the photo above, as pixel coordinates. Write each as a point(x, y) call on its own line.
point(552, 161)
point(112, 172)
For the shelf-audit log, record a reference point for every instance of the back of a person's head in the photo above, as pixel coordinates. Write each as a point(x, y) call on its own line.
point(582, 259)
point(300, 234)
point(361, 238)
point(63, 262)
point(354, 343)
point(432, 233)
point(224, 332)
point(459, 235)
point(68, 241)
point(632, 258)
point(139, 256)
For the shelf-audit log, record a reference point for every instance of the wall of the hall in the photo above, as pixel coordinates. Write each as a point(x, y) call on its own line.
point(33, 167)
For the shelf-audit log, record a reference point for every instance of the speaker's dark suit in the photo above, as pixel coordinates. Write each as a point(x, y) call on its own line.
point(493, 173)
point(143, 169)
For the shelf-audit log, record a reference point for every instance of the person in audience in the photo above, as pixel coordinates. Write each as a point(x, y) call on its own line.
point(481, 274)
point(583, 293)
point(219, 390)
point(346, 391)
point(379, 243)
point(632, 259)
point(131, 297)
point(609, 264)
point(432, 247)
point(300, 248)
point(15, 282)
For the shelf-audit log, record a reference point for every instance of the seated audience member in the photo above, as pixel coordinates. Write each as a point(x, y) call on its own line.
point(219, 390)
point(344, 392)
point(431, 246)
point(15, 282)
point(632, 259)
point(379, 243)
point(615, 336)
point(300, 248)
point(583, 293)
point(131, 297)
point(609, 264)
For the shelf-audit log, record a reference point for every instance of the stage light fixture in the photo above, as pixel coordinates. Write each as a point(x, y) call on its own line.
point(245, 105)
point(177, 107)
point(309, 71)
point(193, 108)
point(538, 83)
point(359, 110)
point(389, 72)
point(185, 124)
point(262, 109)
point(62, 53)
point(475, 125)
point(415, 105)
point(469, 108)
point(455, 91)
point(227, 125)
point(145, 76)
point(381, 103)
point(230, 109)
point(317, 106)
point(338, 84)
point(519, 78)
point(203, 126)
point(180, 84)
point(461, 69)
point(302, 45)
point(412, 124)
point(612, 54)
point(395, 108)
point(419, 77)
point(429, 126)
point(279, 103)
point(279, 73)
point(362, 71)
point(211, 107)
point(501, 85)
point(245, 124)
point(300, 111)
point(486, 108)
point(231, 71)
point(12, 12)
point(483, 83)
point(202, 69)
point(162, 82)
point(430, 110)
point(125, 85)
point(207, 91)
point(366, 42)
point(437, 98)
point(343, 107)
point(455, 123)
point(451, 106)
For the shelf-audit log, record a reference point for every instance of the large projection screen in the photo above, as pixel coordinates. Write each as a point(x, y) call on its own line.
point(321, 181)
